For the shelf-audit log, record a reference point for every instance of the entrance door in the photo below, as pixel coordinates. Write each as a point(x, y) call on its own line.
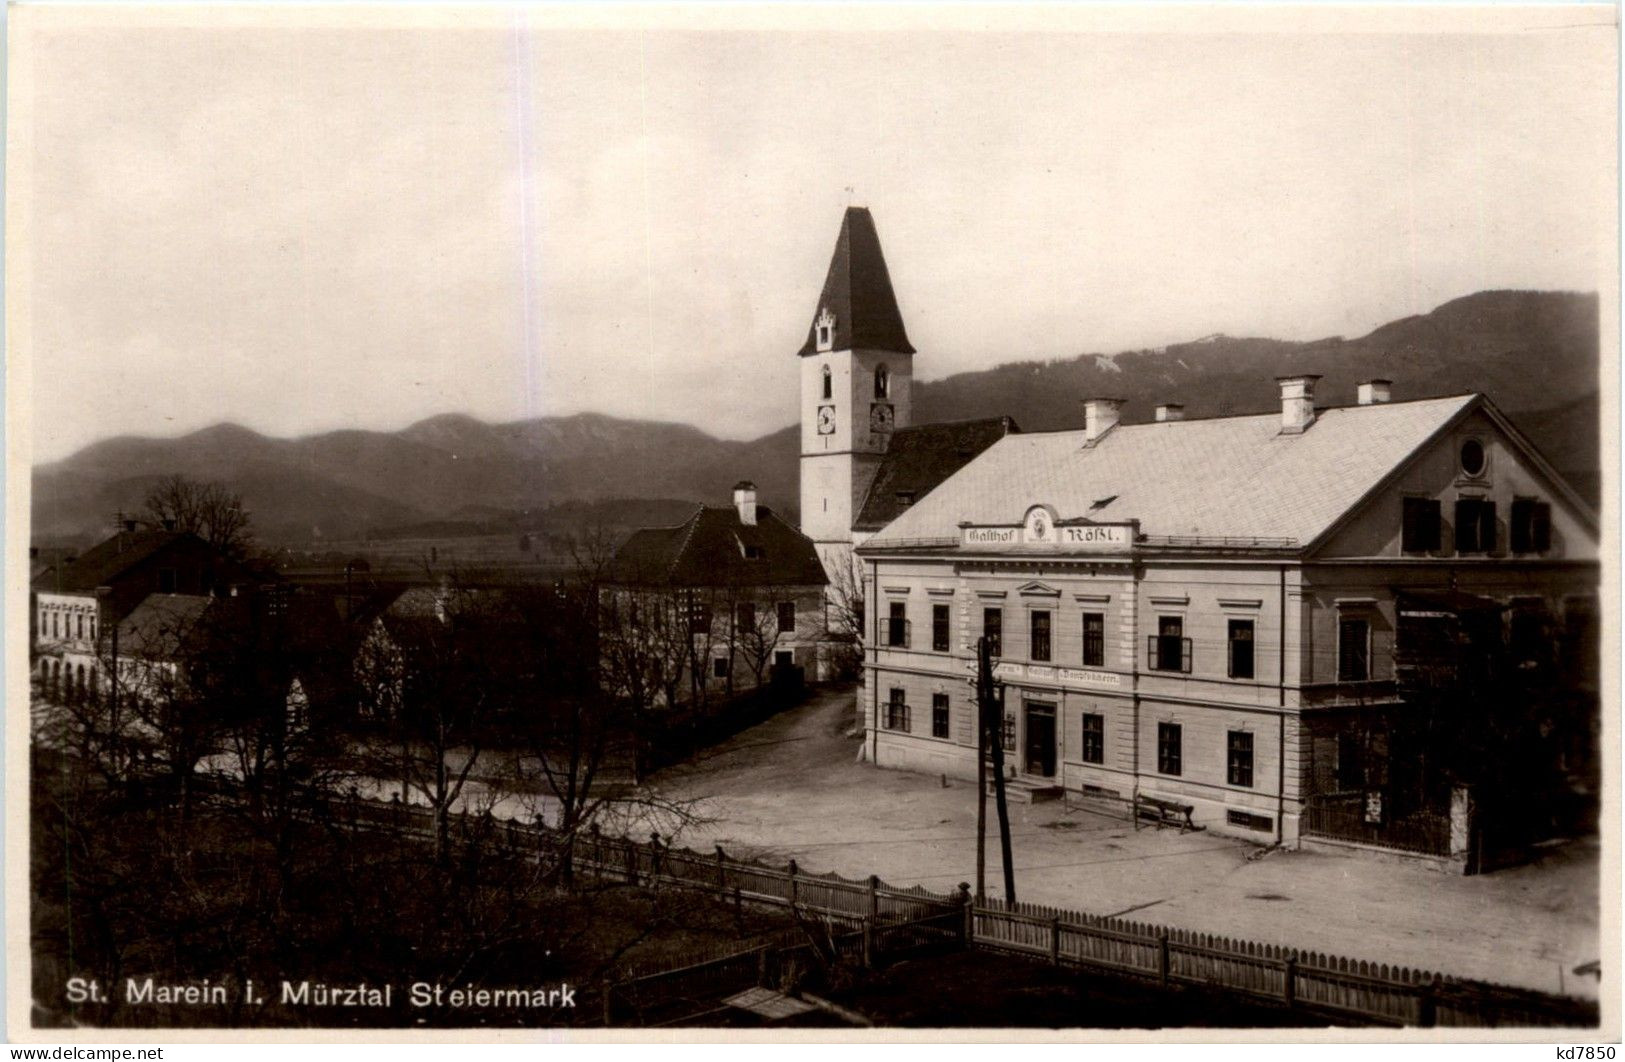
point(1040, 758)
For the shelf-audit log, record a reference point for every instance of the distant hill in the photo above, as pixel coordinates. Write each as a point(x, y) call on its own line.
point(1534, 353)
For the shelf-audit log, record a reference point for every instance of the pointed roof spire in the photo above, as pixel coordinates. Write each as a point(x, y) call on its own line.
point(858, 294)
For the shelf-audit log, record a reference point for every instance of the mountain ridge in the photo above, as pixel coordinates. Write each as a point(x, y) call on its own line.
point(1534, 353)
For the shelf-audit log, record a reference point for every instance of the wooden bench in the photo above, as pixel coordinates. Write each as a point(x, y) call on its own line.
point(1164, 812)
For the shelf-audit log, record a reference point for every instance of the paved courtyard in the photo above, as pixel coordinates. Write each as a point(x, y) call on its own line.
point(792, 788)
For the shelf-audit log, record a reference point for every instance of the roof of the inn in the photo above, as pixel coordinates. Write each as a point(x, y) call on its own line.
point(164, 625)
point(102, 563)
point(715, 548)
point(919, 459)
point(1229, 478)
point(858, 292)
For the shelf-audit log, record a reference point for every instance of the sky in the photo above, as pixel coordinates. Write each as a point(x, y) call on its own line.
point(300, 223)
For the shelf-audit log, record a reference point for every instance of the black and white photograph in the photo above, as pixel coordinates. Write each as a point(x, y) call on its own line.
point(835, 522)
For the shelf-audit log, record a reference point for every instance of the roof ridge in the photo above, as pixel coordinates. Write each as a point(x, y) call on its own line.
point(692, 523)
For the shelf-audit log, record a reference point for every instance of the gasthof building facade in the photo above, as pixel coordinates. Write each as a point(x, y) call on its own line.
point(1195, 610)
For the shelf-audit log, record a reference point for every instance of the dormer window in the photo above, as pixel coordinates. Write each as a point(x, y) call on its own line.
point(829, 384)
point(754, 553)
point(882, 382)
point(905, 498)
point(824, 333)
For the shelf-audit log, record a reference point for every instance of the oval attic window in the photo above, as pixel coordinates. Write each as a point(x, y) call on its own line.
point(1472, 457)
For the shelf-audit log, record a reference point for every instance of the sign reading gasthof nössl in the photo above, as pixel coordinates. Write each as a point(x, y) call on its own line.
point(1040, 529)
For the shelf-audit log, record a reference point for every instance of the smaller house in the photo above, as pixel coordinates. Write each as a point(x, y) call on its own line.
point(714, 604)
point(76, 598)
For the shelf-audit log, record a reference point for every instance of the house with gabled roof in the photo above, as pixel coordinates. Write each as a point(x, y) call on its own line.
point(715, 603)
point(1237, 617)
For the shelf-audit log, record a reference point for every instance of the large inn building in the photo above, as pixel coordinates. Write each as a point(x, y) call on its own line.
point(1213, 612)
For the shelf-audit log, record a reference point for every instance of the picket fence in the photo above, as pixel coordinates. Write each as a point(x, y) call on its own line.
point(1335, 986)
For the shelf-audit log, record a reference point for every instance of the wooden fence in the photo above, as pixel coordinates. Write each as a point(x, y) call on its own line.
point(1326, 984)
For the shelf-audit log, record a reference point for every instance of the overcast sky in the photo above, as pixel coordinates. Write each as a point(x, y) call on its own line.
point(304, 227)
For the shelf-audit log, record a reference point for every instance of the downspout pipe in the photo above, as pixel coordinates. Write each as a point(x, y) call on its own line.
point(1280, 739)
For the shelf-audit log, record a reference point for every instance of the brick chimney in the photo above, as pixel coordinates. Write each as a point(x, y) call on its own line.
point(1100, 415)
point(1376, 392)
point(745, 502)
point(1170, 411)
point(1297, 402)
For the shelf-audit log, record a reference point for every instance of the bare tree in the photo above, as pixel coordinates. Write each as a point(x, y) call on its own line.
point(845, 597)
point(206, 509)
point(758, 634)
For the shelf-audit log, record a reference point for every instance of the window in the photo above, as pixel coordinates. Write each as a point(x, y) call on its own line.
point(787, 616)
point(882, 382)
point(166, 580)
point(1168, 752)
point(1472, 457)
point(784, 658)
point(1241, 649)
point(1241, 758)
point(719, 667)
point(939, 628)
point(939, 715)
point(1350, 762)
point(1475, 525)
point(1094, 639)
point(896, 711)
point(1094, 738)
point(56, 624)
point(1169, 649)
point(993, 630)
point(829, 385)
point(1009, 733)
point(699, 617)
point(1419, 532)
point(1353, 650)
point(905, 498)
point(897, 626)
point(1531, 526)
point(755, 552)
point(747, 617)
point(1040, 635)
point(1525, 637)
point(81, 625)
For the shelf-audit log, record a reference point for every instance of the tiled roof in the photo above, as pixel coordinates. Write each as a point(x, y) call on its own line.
point(105, 561)
point(1225, 478)
point(857, 290)
point(713, 547)
point(919, 458)
point(163, 625)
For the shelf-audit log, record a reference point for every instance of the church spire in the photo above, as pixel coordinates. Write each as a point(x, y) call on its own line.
point(857, 309)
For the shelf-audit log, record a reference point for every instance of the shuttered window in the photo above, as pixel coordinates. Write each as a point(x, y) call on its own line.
point(1421, 518)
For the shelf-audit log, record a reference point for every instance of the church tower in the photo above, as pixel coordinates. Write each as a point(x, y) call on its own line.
point(856, 373)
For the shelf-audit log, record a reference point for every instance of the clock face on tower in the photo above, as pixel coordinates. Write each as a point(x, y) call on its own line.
point(880, 417)
point(826, 420)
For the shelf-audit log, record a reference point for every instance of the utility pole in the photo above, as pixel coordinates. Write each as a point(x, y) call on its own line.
point(990, 697)
point(984, 674)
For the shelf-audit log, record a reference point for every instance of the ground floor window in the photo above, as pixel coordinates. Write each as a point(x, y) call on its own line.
point(939, 715)
point(1009, 735)
point(1169, 740)
point(784, 658)
point(897, 711)
point(1241, 758)
point(719, 667)
point(1094, 738)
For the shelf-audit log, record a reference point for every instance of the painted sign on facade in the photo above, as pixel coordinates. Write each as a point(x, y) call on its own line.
point(1042, 529)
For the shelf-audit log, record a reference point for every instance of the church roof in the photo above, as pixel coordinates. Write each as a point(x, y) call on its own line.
point(858, 292)
point(1229, 478)
point(714, 548)
point(921, 457)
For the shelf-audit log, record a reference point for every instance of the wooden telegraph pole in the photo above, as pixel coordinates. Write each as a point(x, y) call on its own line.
point(991, 701)
point(983, 676)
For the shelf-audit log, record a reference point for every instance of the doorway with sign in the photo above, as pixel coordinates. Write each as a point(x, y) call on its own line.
point(1039, 758)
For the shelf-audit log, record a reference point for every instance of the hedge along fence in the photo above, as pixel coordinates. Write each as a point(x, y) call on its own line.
point(1334, 985)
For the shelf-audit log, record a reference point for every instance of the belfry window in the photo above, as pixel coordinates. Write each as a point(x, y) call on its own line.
point(829, 385)
point(882, 382)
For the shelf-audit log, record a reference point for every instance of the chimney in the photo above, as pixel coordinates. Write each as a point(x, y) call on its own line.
point(1099, 417)
point(745, 502)
point(1170, 411)
point(1376, 392)
point(1297, 402)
